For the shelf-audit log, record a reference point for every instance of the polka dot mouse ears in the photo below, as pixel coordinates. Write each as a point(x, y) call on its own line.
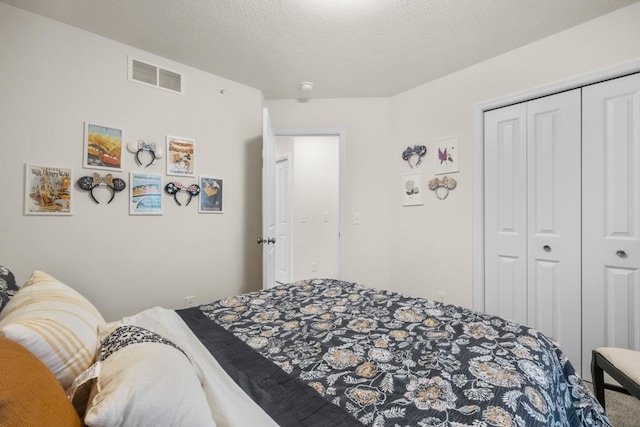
point(141, 146)
point(173, 188)
point(413, 155)
point(90, 182)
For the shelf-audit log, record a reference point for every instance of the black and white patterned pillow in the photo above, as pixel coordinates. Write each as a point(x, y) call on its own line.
point(8, 287)
point(127, 335)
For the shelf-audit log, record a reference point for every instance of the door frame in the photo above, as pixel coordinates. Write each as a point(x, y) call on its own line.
point(478, 154)
point(340, 133)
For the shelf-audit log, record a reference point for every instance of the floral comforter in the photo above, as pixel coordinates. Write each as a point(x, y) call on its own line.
point(391, 360)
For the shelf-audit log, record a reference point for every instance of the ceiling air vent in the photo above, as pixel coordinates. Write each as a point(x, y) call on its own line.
point(152, 75)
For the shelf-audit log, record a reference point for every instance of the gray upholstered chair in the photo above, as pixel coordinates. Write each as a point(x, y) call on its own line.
point(622, 365)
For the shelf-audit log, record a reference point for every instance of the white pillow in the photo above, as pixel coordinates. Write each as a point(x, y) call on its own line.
point(145, 380)
point(55, 323)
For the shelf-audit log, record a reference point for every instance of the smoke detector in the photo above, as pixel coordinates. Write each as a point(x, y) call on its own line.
point(306, 86)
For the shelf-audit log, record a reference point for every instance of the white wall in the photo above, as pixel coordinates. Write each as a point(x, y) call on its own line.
point(53, 78)
point(442, 245)
point(426, 249)
point(367, 187)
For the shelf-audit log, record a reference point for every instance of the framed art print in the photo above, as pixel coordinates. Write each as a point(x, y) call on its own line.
point(145, 194)
point(47, 190)
point(210, 195)
point(412, 194)
point(447, 156)
point(181, 156)
point(102, 147)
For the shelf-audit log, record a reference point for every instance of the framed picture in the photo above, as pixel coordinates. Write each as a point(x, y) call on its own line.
point(47, 190)
point(181, 156)
point(102, 147)
point(211, 190)
point(145, 194)
point(447, 160)
point(412, 191)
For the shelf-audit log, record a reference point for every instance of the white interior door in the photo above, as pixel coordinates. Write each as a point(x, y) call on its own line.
point(505, 143)
point(532, 217)
point(268, 202)
point(283, 220)
point(553, 220)
point(611, 215)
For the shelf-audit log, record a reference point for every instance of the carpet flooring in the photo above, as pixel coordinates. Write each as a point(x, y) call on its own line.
point(623, 410)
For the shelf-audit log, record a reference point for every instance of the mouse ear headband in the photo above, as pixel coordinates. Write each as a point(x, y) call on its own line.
point(445, 183)
point(90, 182)
point(418, 151)
point(174, 188)
point(140, 146)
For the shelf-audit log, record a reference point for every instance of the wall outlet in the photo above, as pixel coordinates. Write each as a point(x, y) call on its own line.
point(442, 296)
point(314, 267)
point(189, 301)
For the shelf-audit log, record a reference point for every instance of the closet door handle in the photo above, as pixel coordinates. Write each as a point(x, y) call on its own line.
point(261, 240)
point(621, 254)
point(547, 248)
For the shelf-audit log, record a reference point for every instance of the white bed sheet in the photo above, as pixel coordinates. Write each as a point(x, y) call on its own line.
point(229, 404)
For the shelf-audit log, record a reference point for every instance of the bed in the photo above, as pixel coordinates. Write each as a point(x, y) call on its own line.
point(327, 353)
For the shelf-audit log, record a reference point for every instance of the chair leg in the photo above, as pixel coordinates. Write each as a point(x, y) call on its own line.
point(597, 375)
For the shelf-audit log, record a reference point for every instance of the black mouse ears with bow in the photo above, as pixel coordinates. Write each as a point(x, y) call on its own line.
point(90, 182)
point(141, 146)
point(173, 188)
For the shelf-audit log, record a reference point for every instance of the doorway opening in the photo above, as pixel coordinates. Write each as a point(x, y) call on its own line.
point(308, 204)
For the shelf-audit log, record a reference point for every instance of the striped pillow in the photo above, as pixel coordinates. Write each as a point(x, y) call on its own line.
point(55, 323)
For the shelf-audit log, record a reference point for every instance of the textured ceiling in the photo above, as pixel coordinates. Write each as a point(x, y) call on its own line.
point(347, 48)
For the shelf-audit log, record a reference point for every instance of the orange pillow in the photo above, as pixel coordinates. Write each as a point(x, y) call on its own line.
point(30, 395)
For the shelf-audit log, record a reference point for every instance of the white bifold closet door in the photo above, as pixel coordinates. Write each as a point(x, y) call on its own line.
point(611, 214)
point(532, 216)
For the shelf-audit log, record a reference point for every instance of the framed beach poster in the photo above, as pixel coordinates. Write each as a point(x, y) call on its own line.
point(102, 147)
point(181, 156)
point(210, 195)
point(145, 194)
point(47, 190)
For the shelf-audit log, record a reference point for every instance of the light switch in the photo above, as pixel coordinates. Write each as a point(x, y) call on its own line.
point(325, 216)
point(357, 218)
point(304, 217)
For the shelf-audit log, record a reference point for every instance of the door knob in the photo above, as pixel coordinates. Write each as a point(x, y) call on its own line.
point(547, 248)
point(271, 240)
point(621, 254)
point(261, 240)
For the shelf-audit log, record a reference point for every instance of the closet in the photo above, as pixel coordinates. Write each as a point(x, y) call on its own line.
point(562, 216)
